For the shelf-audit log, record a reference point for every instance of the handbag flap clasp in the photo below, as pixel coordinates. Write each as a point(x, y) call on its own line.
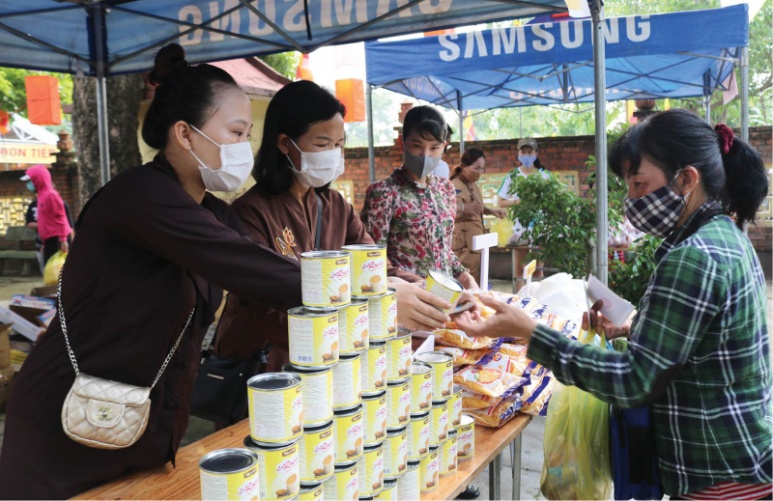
point(104, 414)
point(113, 392)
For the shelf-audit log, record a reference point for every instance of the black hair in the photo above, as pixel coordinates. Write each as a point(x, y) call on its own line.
point(428, 122)
point(675, 139)
point(292, 111)
point(186, 93)
point(469, 157)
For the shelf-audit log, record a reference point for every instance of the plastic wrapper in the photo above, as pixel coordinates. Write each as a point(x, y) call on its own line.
point(504, 363)
point(475, 401)
point(460, 339)
point(536, 394)
point(487, 381)
point(53, 265)
point(513, 350)
point(498, 414)
point(464, 357)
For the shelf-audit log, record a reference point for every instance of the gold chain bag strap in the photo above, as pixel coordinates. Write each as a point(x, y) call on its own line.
point(102, 413)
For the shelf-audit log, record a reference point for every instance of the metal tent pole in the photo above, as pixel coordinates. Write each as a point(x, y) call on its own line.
point(371, 149)
point(600, 85)
point(460, 107)
point(99, 45)
point(745, 93)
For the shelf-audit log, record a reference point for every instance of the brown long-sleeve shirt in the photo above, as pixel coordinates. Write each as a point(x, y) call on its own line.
point(145, 253)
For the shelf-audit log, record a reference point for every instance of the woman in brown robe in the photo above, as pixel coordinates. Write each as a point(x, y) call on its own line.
point(151, 244)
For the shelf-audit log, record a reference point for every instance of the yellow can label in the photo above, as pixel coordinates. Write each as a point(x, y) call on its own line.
point(399, 358)
point(466, 444)
point(448, 461)
point(439, 420)
point(398, 404)
point(374, 413)
point(371, 466)
point(315, 494)
point(389, 493)
point(317, 387)
point(325, 281)
point(347, 383)
point(442, 373)
point(382, 313)
point(280, 472)
point(429, 472)
point(418, 438)
point(369, 270)
point(241, 485)
point(421, 392)
point(317, 454)
point(408, 484)
point(348, 437)
point(313, 340)
point(345, 485)
point(455, 410)
point(440, 290)
point(353, 328)
point(275, 416)
point(374, 368)
point(395, 454)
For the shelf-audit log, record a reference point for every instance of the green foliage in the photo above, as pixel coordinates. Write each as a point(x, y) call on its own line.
point(13, 96)
point(630, 280)
point(285, 63)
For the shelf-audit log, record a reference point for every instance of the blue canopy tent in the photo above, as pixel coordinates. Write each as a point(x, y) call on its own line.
point(109, 37)
point(673, 55)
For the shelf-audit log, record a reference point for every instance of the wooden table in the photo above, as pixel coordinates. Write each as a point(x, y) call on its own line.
point(183, 482)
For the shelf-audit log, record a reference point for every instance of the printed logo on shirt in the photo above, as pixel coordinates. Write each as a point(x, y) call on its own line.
point(286, 243)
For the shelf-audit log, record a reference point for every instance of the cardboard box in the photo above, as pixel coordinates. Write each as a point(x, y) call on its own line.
point(6, 378)
point(44, 291)
point(17, 359)
point(30, 330)
point(32, 307)
point(5, 346)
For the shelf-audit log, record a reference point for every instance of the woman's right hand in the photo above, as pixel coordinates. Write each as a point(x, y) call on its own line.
point(419, 309)
point(602, 324)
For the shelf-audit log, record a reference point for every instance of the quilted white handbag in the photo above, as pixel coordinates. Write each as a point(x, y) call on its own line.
point(102, 413)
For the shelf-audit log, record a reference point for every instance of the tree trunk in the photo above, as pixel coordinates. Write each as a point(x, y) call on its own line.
point(123, 102)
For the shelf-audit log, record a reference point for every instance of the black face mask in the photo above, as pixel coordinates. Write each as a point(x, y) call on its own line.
point(419, 165)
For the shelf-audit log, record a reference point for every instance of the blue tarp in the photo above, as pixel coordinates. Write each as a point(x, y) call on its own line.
point(61, 36)
point(666, 55)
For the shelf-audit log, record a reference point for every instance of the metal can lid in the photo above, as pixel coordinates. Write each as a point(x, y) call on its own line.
point(356, 302)
point(311, 312)
point(420, 367)
point(358, 247)
point(348, 412)
point(398, 382)
point(349, 357)
point(342, 467)
point(434, 357)
point(439, 403)
point(326, 254)
point(306, 371)
point(446, 280)
point(389, 483)
point(228, 460)
point(376, 344)
point(306, 488)
point(451, 434)
point(374, 396)
point(249, 443)
point(393, 432)
point(401, 334)
point(374, 447)
point(419, 417)
point(467, 420)
point(273, 381)
point(318, 428)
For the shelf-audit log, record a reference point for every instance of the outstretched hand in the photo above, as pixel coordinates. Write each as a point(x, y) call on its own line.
point(507, 321)
point(418, 308)
point(601, 323)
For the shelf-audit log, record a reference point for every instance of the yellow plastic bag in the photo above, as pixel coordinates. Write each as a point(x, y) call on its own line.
point(576, 442)
point(504, 230)
point(51, 271)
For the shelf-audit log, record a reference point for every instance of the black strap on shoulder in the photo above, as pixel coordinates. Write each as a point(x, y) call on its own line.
point(699, 221)
point(318, 236)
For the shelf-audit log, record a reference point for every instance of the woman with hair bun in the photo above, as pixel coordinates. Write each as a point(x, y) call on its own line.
point(699, 350)
point(153, 245)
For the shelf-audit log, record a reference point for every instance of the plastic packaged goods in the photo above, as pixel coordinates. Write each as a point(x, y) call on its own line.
point(536, 394)
point(464, 357)
point(487, 381)
point(460, 339)
point(498, 414)
point(507, 364)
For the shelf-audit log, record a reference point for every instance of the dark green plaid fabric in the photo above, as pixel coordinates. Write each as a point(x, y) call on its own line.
point(699, 353)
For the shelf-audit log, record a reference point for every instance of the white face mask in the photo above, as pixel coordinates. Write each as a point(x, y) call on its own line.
point(318, 168)
point(236, 162)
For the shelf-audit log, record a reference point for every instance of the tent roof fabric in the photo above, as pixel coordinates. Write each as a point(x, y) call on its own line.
point(254, 76)
point(666, 55)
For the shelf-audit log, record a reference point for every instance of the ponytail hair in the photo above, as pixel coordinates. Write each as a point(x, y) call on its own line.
point(746, 184)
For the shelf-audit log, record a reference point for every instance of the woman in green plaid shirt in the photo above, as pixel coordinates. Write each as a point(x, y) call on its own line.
point(699, 350)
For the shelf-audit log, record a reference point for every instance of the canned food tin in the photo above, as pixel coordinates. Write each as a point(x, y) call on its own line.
point(279, 466)
point(395, 453)
point(382, 316)
point(374, 413)
point(345, 483)
point(421, 387)
point(348, 435)
point(398, 404)
point(275, 407)
point(455, 408)
point(353, 327)
point(317, 451)
point(448, 451)
point(429, 471)
point(313, 336)
point(313, 492)
point(418, 436)
point(317, 387)
point(408, 484)
point(466, 445)
point(444, 286)
point(229, 474)
point(325, 278)
point(439, 423)
point(346, 382)
point(374, 368)
point(369, 269)
point(389, 492)
point(399, 357)
point(371, 468)
point(442, 373)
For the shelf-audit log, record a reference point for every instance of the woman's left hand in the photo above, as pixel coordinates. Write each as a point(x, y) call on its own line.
point(499, 213)
point(508, 321)
point(468, 281)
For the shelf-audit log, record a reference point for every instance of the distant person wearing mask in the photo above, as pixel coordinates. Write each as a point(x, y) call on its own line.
point(52, 223)
point(442, 170)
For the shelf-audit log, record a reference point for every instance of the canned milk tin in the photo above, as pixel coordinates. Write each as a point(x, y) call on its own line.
point(371, 468)
point(421, 388)
point(398, 404)
point(316, 387)
point(418, 436)
point(408, 484)
point(348, 435)
point(466, 446)
point(374, 413)
point(345, 484)
point(455, 408)
point(369, 269)
point(448, 452)
point(399, 357)
point(395, 453)
point(313, 336)
point(275, 407)
point(429, 471)
point(346, 382)
point(325, 279)
point(382, 316)
point(229, 474)
point(439, 423)
point(444, 286)
point(442, 373)
point(389, 492)
point(313, 492)
point(317, 451)
point(374, 369)
point(280, 473)
point(353, 325)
